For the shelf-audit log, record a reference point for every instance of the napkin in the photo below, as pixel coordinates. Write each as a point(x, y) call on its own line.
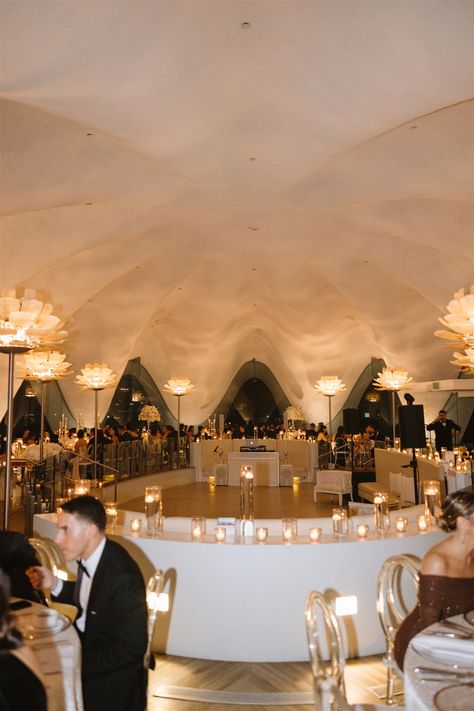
point(447, 650)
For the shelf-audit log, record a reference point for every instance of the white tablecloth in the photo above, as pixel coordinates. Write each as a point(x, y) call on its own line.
point(60, 658)
point(421, 695)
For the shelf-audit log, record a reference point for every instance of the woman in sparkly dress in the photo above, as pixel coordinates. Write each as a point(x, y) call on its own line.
point(446, 575)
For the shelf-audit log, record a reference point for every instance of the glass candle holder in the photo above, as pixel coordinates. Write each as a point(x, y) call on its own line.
point(289, 528)
point(401, 524)
point(340, 524)
point(422, 523)
point(211, 480)
point(220, 534)
point(362, 530)
point(198, 528)
point(432, 497)
point(381, 513)
point(135, 525)
point(82, 487)
point(261, 534)
point(315, 534)
point(60, 501)
point(111, 513)
point(153, 510)
point(246, 493)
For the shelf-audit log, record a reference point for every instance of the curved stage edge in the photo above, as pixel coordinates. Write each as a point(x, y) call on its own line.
point(243, 601)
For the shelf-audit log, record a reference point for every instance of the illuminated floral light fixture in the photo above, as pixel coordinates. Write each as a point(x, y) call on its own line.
point(44, 366)
point(461, 322)
point(465, 360)
point(329, 385)
point(26, 323)
point(392, 379)
point(178, 386)
point(96, 376)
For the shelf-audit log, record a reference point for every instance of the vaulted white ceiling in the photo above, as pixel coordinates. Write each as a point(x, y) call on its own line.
point(200, 192)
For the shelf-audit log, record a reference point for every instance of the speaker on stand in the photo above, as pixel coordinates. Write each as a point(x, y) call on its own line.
point(411, 419)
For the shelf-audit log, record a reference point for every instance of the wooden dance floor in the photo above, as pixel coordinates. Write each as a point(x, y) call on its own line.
point(269, 501)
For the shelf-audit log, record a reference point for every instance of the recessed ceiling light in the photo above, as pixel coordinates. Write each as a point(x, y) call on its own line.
point(245, 25)
point(254, 269)
point(252, 158)
point(89, 134)
point(88, 203)
point(412, 127)
point(252, 227)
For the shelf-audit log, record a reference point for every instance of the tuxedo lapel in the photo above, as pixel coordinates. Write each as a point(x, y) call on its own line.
point(99, 585)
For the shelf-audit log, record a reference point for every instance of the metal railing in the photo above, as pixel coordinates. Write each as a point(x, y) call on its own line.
point(39, 485)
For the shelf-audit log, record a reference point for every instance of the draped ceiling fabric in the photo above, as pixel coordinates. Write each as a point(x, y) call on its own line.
point(199, 192)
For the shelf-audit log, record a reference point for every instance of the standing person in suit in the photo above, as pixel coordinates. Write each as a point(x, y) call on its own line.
point(443, 429)
point(110, 595)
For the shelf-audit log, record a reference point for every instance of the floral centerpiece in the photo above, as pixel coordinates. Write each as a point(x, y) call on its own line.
point(291, 415)
point(149, 413)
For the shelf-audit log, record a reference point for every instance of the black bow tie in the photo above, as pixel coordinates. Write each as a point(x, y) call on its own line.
point(83, 568)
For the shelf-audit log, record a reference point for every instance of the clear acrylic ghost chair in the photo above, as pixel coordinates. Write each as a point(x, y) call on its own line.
point(393, 609)
point(50, 556)
point(328, 675)
point(155, 603)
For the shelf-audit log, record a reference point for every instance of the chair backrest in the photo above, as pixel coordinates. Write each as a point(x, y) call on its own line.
point(153, 592)
point(51, 557)
point(392, 607)
point(326, 629)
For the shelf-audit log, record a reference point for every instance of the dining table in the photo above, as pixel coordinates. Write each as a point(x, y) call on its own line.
point(439, 666)
point(56, 644)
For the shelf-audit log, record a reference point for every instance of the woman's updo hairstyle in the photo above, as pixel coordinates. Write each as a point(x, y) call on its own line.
point(461, 503)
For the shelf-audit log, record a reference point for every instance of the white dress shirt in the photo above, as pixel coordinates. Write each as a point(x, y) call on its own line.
point(86, 583)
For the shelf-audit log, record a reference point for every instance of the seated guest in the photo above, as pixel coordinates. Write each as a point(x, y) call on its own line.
point(110, 596)
point(447, 573)
point(21, 683)
point(133, 431)
point(311, 432)
point(16, 556)
point(123, 434)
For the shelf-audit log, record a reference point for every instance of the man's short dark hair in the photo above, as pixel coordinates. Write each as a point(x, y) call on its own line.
point(442, 411)
point(88, 508)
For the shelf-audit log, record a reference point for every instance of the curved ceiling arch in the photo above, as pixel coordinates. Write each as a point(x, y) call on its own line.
point(198, 195)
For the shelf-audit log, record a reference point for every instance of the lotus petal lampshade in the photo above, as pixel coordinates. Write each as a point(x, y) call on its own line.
point(178, 386)
point(96, 376)
point(460, 319)
point(329, 385)
point(26, 322)
point(44, 366)
point(465, 360)
point(392, 379)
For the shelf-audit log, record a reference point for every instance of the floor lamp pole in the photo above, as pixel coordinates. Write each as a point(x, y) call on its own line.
point(96, 426)
point(393, 418)
point(42, 421)
point(8, 457)
point(179, 426)
point(329, 423)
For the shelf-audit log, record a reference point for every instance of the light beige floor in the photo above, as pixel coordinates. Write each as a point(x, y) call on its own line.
point(249, 677)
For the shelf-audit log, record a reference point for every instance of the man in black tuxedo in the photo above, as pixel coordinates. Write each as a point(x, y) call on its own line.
point(443, 429)
point(110, 595)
